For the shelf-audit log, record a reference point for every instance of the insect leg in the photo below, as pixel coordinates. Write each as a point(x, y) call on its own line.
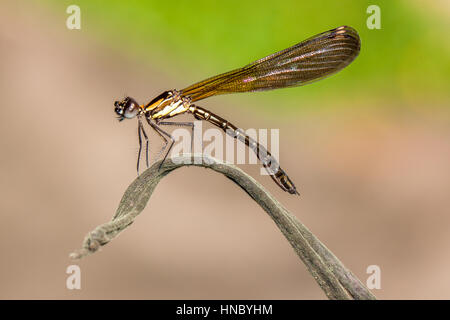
point(182, 124)
point(162, 134)
point(140, 145)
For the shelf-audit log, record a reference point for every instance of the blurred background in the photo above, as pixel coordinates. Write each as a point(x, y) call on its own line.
point(368, 148)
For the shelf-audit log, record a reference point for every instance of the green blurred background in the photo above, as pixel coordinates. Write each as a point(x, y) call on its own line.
point(368, 149)
point(407, 59)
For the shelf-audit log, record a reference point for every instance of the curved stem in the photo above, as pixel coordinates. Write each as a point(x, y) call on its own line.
point(335, 280)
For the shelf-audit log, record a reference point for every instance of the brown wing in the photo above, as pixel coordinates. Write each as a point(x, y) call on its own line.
point(308, 61)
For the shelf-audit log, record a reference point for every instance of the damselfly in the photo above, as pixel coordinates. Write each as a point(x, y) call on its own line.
point(306, 62)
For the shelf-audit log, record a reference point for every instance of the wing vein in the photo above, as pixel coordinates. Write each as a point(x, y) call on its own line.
point(311, 60)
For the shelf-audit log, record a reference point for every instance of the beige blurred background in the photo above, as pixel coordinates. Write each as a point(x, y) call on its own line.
point(375, 184)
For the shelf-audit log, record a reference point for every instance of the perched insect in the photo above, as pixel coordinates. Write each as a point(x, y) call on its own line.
point(306, 62)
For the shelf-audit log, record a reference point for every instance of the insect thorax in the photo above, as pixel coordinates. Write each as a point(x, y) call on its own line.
point(166, 105)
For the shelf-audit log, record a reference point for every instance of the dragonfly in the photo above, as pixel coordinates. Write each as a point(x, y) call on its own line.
point(308, 61)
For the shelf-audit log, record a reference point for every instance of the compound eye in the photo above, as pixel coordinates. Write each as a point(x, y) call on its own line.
point(131, 113)
point(131, 109)
point(119, 110)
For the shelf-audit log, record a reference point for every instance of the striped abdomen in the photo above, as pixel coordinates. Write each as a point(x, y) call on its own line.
point(269, 162)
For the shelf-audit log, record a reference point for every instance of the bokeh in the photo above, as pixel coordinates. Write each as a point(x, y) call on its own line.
point(368, 148)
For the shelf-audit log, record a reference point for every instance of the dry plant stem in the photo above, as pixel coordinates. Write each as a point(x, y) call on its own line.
point(335, 280)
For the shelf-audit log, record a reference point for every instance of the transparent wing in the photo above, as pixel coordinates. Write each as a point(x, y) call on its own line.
point(313, 59)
